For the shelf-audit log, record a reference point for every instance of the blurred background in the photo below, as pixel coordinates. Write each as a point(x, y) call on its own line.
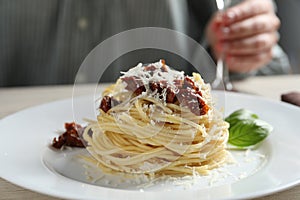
point(289, 12)
point(44, 42)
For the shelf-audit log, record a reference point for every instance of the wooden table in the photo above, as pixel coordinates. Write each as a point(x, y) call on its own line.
point(15, 99)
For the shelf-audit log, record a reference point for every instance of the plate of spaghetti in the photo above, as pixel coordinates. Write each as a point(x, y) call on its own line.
point(154, 133)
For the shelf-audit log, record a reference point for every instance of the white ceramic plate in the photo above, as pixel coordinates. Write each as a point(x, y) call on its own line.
point(27, 160)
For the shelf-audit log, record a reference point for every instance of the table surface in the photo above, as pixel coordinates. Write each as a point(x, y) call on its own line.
point(15, 99)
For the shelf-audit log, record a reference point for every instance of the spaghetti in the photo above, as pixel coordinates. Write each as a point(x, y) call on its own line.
point(157, 121)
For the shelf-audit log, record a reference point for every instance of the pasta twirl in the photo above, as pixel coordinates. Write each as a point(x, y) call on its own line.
point(157, 121)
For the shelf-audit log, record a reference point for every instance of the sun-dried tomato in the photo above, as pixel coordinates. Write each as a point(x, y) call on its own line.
point(70, 137)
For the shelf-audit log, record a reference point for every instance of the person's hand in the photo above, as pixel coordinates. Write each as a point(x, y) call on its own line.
point(245, 33)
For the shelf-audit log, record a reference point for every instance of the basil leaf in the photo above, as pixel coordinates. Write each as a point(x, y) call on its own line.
point(240, 115)
point(246, 129)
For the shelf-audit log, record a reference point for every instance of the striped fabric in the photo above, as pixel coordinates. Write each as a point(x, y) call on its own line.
point(45, 41)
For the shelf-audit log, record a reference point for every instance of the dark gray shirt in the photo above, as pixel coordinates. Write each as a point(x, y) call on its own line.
point(45, 41)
